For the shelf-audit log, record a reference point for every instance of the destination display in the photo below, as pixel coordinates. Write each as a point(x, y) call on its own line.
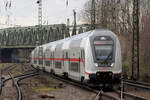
point(102, 42)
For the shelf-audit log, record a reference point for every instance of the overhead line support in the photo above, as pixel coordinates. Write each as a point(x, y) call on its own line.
point(135, 48)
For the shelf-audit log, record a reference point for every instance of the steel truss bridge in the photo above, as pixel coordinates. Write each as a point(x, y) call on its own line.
point(30, 37)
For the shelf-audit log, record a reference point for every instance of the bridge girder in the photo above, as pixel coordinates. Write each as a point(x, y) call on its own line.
point(33, 36)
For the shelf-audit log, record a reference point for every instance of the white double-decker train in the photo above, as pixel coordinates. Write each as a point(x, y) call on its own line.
point(92, 57)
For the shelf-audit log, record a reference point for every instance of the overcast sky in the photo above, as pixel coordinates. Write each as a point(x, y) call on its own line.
point(25, 12)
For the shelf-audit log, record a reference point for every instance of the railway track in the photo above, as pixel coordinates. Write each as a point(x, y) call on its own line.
point(17, 86)
point(16, 80)
point(113, 95)
point(128, 96)
point(99, 93)
point(10, 67)
point(136, 84)
point(137, 88)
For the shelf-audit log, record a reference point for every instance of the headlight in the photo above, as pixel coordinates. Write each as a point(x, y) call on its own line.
point(96, 64)
point(97, 74)
point(112, 65)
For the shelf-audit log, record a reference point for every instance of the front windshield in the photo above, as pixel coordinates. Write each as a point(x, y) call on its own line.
point(103, 52)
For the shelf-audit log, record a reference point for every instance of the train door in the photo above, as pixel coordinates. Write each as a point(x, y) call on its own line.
point(36, 58)
point(47, 60)
point(74, 64)
point(82, 63)
point(40, 57)
point(58, 59)
point(58, 62)
point(65, 63)
point(52, 62)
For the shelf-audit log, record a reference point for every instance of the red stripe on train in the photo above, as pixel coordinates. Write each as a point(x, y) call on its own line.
point(48, 58)
point(76, 59)
point(61, 59)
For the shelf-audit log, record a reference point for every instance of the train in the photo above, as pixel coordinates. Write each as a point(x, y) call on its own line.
point(92, 57)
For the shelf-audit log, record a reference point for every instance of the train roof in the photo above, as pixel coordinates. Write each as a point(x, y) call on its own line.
point(65, 42)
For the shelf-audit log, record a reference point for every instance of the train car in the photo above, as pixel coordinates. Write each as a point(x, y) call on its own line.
point(92, 57)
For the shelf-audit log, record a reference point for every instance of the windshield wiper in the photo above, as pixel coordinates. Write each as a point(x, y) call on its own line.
point(107, 57)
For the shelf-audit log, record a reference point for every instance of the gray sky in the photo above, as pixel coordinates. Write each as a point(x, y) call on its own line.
point(25, 12)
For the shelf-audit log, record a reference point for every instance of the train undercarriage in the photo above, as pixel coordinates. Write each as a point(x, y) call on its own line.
point(104, 79)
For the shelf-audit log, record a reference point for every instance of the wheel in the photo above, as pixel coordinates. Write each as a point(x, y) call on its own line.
point(65, 75)
point(43, 68)
point(82, 79)
point(52, 71)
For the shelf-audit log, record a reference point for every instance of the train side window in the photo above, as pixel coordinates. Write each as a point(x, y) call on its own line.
point(40, 62)
point(58, 65)
point(47, 63)
point(82, 54)
point(66, 55)
point(74, 67)
point(53, 54)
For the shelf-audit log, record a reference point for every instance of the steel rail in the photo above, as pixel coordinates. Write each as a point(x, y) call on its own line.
point(78, 84)
point(137, 84)
point(135, 97)
point(1, 72)
point(17, 86)
point(8, 68)
point(83, 86)
point(18, 78)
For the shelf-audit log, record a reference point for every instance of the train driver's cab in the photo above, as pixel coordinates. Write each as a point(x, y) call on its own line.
point(103, 49)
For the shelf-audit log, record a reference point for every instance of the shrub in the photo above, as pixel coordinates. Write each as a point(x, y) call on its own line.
point(126, 70)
